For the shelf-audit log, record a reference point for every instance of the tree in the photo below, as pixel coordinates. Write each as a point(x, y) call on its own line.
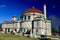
point(59, 27)
point(0, 27)
point(53, 31)
point(54, 23)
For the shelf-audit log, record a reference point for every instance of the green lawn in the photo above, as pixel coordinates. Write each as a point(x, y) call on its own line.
point(15, 37)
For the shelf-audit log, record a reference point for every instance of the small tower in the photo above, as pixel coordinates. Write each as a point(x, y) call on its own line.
point(14, 18)
point(45, 11)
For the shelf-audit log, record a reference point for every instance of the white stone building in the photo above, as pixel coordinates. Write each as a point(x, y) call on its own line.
point(36, 21)
point(11, 26)
point(33, 20)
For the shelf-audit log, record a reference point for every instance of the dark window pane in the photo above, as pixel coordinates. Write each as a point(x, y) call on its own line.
point(34, 14)
point(28, 17)
point(8, 29)
point(15, 29)
point(22, 17)
point(36, 30)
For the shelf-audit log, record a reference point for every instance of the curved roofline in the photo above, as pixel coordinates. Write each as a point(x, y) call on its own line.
point(33, 10)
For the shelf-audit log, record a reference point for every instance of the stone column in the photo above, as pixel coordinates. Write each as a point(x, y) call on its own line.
point(17, 30)
point(10, 30)
point(3, 30)
point(13, 30)
point(40, 24)
point(43, 25)
point(22, 30)
point(20, 33)
point(26, 17)
point(39, 31)
point(7, 30)
point(42, 31)
point(34, 33)
point(23, 18)
point(25, 30)
point(31, 34)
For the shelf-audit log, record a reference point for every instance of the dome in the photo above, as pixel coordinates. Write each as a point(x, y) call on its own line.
point(33, 10)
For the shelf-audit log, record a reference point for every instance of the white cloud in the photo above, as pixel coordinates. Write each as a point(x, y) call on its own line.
point(53, 6)
point(2, 6)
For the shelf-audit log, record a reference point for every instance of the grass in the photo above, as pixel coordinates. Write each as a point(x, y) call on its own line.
point(15, 37)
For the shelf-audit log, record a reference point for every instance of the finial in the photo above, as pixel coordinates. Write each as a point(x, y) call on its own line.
point(33, 7)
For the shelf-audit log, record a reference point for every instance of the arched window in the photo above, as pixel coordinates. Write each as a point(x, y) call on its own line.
point(28, 17)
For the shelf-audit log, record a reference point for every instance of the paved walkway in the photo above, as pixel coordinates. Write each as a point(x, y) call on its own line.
point(55, 39)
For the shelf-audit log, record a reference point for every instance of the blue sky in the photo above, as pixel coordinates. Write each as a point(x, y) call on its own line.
point(9, 8)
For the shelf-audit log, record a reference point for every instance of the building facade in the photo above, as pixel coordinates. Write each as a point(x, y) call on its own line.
point(32, 20)
point(11, 26)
